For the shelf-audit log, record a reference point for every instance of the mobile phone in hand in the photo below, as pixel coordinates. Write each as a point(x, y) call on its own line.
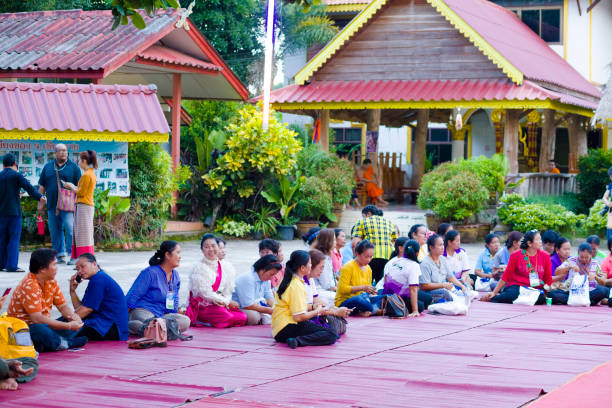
point(78, 279)
point(6, 292)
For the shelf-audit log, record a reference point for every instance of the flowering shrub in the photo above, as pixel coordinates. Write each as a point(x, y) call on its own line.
point(521, 216)
point(253, 154)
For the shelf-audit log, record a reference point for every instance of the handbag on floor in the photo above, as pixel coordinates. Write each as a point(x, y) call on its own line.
point(527, 296)
point(173, 330)
point(15, 340)
point(394, 307)
point(579, 291)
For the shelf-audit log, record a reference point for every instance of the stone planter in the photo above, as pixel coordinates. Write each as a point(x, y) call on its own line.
point(258, 235)
point(469, 232)
point(304, 226)
point(483, 231)
point(432, 222)
point(286, 232)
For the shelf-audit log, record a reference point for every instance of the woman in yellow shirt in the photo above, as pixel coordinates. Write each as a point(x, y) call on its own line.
point(290, 318)
point(355, 283)
point(83, 233)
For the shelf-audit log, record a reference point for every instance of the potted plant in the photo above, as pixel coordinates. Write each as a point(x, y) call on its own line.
point(283, 196)
point(314, 203)
point(264, 224)
point(341, 183)
point(454, 195)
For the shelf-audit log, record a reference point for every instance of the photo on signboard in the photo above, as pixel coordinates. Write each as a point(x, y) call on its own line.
point(120, 158)
point(123, 188)
point(26, 158)
point(121, 173)
point(38, 171)
point(112, 186)
point(26, 171)
point(50, 156)
point(16, 154)
point(107, 158)
point(39, 158)
point(75, 157)
point(100, 186)
point(3, 153)
point(106, 173)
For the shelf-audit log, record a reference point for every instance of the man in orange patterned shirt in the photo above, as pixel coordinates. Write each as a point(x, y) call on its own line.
point(33, 300)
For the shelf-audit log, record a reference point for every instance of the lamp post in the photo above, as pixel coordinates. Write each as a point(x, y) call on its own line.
point(269, 56)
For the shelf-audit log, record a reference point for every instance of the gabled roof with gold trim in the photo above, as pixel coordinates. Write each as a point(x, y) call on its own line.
point(497, 32)
point(345, 6)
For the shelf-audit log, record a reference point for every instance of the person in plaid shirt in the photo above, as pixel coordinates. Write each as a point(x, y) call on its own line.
point(379, 231)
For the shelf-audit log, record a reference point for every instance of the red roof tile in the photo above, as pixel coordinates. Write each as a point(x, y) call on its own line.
point(160, 53)
point(523, 48)
point(406, 91)
point(74, 39)
point(90, 108)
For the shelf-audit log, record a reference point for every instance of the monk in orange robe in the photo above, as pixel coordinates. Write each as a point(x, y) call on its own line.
point(552, 167)
point(368, 176)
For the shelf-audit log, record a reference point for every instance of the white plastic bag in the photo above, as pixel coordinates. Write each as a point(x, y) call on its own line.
point(527, 296)
point(453, 308)
point(579, 291)
point(482, 284)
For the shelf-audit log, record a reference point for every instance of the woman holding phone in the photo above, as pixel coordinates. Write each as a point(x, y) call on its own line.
point(83, 238)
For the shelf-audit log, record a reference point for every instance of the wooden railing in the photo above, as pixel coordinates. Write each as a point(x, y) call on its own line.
point(390, 165)
point(545, 183)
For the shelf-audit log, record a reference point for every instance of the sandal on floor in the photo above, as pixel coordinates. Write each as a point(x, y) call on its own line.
point(18, 270)
point(142, 343)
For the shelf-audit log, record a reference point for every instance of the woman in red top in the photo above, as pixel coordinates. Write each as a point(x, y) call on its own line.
point(528, 267)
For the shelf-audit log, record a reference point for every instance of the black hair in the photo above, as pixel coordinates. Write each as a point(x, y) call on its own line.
point(450, 236)
point(549, 237)
point(159, 256)
point(88, 257)
point(41, 259)
point(431, 241)
point(310, 236)
point(513, 237)
point(593, 239)
point(363, 246)
point(411, 250)
point(367, 161)
point(414, 229)
point(371, 209)
point(337, 231)
point(489, 238)
point(528, 237)
point(610, 245)
point(206, 237)
point(443, 228)
point(267, 262)
point(560, 242)
point(297, 259)
point(584, 247)
point(220, 240)
point(8, 160)
point(269, 243)
point(399, 243)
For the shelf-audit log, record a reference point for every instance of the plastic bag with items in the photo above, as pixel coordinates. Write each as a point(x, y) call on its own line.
point(527, 296)
point(579, 291)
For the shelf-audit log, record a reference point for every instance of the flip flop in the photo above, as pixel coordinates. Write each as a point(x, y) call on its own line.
point(18, 270)
point(142, 343)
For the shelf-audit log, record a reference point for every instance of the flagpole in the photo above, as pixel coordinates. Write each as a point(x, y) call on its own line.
point(269, 55)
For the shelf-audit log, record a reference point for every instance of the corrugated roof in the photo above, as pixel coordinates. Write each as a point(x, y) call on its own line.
point(89, 108)
point(163, 54)
point(343, 2)
point(406, 91)
point(74, 39)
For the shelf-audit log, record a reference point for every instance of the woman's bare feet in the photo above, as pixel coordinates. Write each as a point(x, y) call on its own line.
point(9, 384)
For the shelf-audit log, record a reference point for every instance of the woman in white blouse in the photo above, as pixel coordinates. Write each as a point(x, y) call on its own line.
point(211, 284)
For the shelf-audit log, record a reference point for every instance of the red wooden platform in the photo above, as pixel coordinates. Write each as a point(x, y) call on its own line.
point(497, 356)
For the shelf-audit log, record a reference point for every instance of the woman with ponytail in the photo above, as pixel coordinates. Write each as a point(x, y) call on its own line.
point(291, 318)
point(402, 279)
point(398, 253)
point(155, 292)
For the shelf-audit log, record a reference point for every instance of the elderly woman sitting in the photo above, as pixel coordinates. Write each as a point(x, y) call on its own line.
point(211, 284)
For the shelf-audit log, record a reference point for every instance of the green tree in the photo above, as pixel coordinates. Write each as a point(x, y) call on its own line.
point(301, 29)
point(16, 6)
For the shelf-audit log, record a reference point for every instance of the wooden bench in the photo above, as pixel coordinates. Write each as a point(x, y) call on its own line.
point(414, 192)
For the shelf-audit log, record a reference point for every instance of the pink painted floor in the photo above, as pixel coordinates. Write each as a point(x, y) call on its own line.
point(498, 356)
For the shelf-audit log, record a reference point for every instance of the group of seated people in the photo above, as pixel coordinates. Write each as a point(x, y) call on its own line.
point(306, 299)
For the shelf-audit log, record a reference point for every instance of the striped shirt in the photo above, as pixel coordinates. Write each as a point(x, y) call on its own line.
point(380, 232)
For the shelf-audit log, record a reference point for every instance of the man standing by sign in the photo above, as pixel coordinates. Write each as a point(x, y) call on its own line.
point(11, 182)
point(60, 202)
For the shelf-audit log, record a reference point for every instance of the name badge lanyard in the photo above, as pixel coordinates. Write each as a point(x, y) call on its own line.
point(170, 296)
point(534, 278)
